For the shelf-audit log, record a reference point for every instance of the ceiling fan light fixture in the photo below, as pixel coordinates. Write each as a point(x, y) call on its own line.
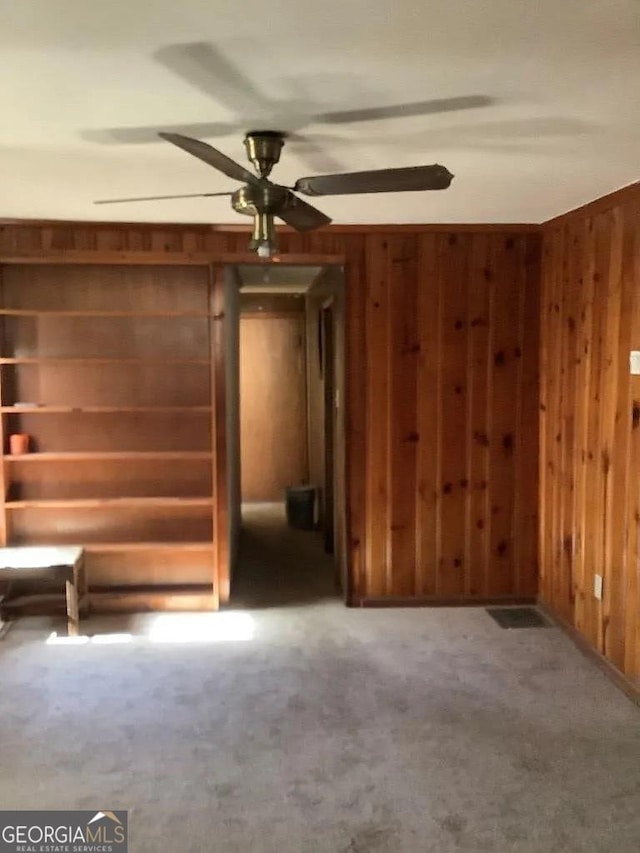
point(266, 249)
point(264, 241)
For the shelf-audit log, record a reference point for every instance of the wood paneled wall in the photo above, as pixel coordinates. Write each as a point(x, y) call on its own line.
point(451, 399)
point(273, 420)
point(441, 391)
point(590, 424)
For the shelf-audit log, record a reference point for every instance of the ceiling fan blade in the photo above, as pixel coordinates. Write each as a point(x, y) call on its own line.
point(210, 155)
point(309, 149)
point(302, 216)
point(419, 108)
point(142, 135)
point(158, 197)
point(204, 67)
point(411, 178)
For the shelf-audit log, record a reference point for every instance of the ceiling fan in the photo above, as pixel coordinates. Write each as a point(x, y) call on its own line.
point(263, 200)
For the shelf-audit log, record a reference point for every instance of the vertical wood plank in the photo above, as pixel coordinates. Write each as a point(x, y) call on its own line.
point(554, 434)
point(454, 253)
point(526, 510)
point(619, 475)
point(569, 330)
point(594, 529)
point(403, 437)
point(221, 549)
point(378, 415)
point(552, 415)
point(580, 241)
point(544, 415)
point(569, 284)
point(631, 589)
point(429, 417)
point(355, 414)
point(607, 395)
point(506, 355)
point(477, 558)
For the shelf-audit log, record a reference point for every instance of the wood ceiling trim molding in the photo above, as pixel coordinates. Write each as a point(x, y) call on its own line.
point(99, 257)
point(105, 256)
point(234, 227)
point(408, 228)
point(624, 195)
point(95, 223)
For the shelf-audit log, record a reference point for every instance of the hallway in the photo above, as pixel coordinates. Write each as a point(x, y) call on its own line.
point(278, 565)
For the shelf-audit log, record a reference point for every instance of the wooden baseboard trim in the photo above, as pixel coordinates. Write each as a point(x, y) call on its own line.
point(438, 601)
point(622, 682)
point(151, 599)
point(134, 599)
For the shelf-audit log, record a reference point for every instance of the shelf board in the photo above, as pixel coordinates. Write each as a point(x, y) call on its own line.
point(84, 362)
point(101, 409)
point(204, 545)
point(31, 312)
point(102, 547)
point(82, 456)
point(109, 503)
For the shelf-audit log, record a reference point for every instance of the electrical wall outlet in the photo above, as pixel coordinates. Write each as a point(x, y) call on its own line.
point(597, 587)
point(634, 362)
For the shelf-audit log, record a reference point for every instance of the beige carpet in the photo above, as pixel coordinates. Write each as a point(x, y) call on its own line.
point(310, 727)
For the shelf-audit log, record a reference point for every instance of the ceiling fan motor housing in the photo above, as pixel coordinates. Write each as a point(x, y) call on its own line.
point(252, 199)
point(262, 202)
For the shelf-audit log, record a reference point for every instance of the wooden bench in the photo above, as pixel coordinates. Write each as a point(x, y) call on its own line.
point(35, 564)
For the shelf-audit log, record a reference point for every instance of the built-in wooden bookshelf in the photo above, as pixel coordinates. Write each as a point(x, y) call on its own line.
point(108, 370)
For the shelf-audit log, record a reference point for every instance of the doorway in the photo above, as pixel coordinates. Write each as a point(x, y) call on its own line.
point(289, 433)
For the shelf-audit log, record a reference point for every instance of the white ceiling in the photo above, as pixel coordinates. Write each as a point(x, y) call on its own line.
point(563, 129)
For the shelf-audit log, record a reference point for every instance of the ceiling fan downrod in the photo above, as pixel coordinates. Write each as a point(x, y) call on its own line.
point(262, 201)
point(263, 150)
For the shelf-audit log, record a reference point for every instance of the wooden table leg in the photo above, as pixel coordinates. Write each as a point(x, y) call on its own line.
point(82, 584)
point(73, 615)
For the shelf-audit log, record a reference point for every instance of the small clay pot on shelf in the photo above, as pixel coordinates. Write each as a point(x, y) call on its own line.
point(18, 443)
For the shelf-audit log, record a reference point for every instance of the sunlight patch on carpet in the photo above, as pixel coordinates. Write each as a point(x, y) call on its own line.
point(201, 628)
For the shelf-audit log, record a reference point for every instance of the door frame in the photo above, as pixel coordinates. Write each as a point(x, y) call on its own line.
point(328, 332)
point(221, 545)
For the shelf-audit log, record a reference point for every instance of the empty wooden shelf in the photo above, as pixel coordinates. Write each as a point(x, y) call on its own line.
point(108, 370)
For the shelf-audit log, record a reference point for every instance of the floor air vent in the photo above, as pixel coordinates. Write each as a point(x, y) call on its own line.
point(517, 617)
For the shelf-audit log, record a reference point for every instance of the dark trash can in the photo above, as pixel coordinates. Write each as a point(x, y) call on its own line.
point(301, 502)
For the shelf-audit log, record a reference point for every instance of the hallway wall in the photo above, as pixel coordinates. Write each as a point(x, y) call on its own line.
point(272, 402)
